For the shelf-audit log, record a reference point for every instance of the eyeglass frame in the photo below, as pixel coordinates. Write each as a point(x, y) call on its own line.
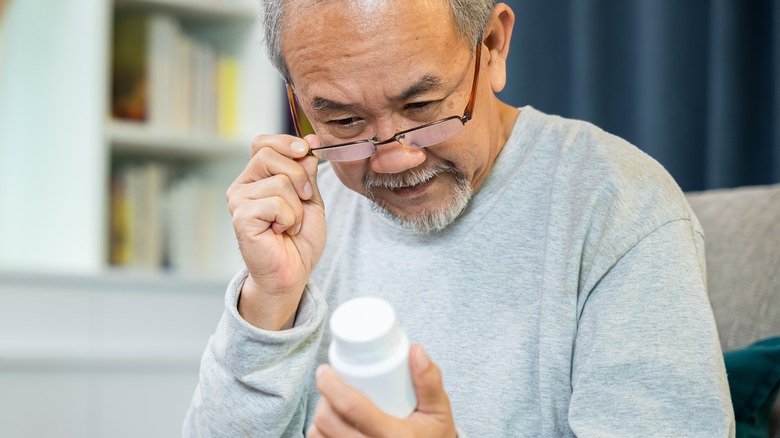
point(467, 114)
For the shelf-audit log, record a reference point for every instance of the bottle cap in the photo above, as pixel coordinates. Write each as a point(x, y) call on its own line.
point(364, 329)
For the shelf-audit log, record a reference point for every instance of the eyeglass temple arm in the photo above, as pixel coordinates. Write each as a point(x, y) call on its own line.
point(470, 105)
point(293, 109)
point(294, 114)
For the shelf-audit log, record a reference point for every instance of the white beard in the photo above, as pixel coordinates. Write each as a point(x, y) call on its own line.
point(431, 221)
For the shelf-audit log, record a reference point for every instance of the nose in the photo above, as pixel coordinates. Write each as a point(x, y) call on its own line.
point(393, 157)
point(396, 158)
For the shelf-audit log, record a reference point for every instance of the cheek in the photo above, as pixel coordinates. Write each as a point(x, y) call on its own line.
point(465, 152)
point(469, 153)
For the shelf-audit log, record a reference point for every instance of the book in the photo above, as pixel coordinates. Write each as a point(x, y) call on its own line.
point(137, 222)
point(129, 68)
point(161, 220)
point(119, 223)
point(191, 225)
point(227, 96)
point(170, 79)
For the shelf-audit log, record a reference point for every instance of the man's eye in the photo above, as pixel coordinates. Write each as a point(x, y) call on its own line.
point(345, 123)
point(419, 105)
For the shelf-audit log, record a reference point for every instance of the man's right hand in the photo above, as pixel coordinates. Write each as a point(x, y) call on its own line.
point(279, 220)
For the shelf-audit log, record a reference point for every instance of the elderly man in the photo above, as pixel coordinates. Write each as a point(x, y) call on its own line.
point(553, 272)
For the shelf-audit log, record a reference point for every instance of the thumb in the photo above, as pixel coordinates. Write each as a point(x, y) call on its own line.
point(427, 380)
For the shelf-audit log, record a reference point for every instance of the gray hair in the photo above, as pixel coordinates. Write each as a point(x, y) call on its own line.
point(470, 17)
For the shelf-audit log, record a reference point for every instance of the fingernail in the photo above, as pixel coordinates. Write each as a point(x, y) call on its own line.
point(299, 147)
point(307, 190)
point(421, 358)
point(320, 370)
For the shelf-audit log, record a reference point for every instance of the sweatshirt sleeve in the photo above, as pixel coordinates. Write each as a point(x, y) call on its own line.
point(647, 360)
point(255, 382)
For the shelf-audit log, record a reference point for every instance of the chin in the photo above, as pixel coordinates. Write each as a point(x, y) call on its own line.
point(428, 219)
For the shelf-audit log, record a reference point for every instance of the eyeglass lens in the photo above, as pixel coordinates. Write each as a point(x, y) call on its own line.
point(350, 152)
point(421, 137)
point(430, 135)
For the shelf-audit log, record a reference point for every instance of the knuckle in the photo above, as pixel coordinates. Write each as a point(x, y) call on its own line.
point(238, 223)
point(263, 154)
point(277, 203)
point(230, 192)
point(236, 198)
point(280, 182)
point(259, 142)
point(238, 216)
point(283, 212)
point(231, 189)
point(233, 205)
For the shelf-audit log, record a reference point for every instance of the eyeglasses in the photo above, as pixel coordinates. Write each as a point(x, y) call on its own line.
point(421, 136)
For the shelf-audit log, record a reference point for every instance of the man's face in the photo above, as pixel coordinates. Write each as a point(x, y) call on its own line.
point(370, 70)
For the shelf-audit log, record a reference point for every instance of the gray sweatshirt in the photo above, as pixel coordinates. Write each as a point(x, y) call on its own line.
point(568, 299)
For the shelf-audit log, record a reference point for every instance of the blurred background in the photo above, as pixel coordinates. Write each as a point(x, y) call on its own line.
point(122, 122)
point(693, 83)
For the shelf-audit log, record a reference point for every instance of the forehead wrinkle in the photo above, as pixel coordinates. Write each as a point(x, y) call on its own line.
point(423, 85)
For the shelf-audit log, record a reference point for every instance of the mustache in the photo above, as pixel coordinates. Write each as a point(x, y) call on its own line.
point(411, 177)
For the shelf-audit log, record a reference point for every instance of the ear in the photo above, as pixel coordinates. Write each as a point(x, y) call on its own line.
point(497, 37)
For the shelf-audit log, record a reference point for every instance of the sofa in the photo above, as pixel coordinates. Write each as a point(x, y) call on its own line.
point(742, 245)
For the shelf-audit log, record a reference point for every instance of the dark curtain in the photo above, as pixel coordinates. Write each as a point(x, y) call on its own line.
point(694, 83)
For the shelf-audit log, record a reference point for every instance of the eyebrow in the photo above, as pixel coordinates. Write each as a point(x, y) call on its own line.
point(322, 104)
point(422, 86)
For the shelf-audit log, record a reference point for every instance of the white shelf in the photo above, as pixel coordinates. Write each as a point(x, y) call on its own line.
point(139, 138)
point(116, 358)
point(198, 9)
point(114, 279)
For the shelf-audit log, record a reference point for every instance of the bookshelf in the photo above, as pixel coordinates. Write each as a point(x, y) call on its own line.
point(64, 147)
point(82, 341)
point(135, 138)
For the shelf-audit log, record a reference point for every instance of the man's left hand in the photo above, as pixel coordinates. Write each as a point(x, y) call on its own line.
point(343, 412)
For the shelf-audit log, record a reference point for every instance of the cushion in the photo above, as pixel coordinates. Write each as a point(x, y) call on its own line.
point(754, 381)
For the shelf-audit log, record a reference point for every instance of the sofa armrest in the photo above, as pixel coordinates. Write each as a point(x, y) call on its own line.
point(742, 245)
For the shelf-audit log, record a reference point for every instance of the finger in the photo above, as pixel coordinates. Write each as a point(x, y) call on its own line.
point(427, 381)
point(329, 424)
point(311, 166)
point(277, 185)
point(352, 406)
point(268, 162)
point(287, 145)
point(313, 432)
point(255, 218)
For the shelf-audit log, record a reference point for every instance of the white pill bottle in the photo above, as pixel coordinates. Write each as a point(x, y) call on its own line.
point(371, 353)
